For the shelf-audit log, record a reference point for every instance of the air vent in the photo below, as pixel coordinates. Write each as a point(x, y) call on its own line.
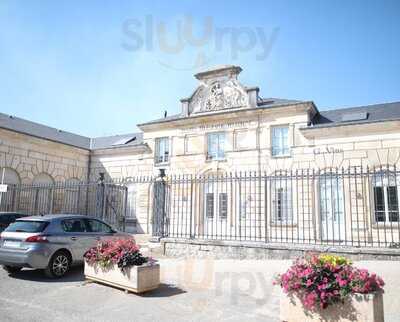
point(360, 116)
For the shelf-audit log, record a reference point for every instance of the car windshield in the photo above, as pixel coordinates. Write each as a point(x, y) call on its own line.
point(27, 226)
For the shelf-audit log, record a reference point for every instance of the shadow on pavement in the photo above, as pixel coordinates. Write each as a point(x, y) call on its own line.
point(37, 275)
point(165, 290)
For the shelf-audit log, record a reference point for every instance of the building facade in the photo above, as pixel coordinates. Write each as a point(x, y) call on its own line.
point(259, 168)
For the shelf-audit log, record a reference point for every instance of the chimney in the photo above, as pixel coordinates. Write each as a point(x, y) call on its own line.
point(185, 106)
point(252, 92)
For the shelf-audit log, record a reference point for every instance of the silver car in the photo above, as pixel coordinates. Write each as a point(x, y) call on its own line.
point(51, 242)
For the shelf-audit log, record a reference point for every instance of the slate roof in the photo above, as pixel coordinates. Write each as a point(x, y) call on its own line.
point(132, 139)
point(20, 125)
point(262, 103)
point(329, 118)
point(358, 115)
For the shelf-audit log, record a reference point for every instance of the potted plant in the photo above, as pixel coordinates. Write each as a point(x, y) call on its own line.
point(118, 262)
point(329, 288)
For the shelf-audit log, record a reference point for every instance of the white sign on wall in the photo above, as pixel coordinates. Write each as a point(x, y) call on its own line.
point(3, 188)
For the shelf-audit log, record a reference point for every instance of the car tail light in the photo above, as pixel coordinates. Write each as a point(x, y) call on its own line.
point(37, 239)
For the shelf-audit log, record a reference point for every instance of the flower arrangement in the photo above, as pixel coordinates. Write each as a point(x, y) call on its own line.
point(121, 252)
point(322, 280)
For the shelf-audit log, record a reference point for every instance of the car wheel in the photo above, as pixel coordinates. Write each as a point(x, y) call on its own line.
point(59, 265)
point(11, 269)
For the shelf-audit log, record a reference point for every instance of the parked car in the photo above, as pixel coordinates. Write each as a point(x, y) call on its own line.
point(7, 218)
point(51, 242)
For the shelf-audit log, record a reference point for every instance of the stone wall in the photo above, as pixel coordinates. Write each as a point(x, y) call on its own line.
point(30, 157)
point(186, 248)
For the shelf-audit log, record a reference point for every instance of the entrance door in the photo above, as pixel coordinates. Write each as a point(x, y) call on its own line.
point(215, 208)
point(331, 208)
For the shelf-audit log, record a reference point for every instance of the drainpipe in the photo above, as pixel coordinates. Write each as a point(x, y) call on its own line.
point(258, 144)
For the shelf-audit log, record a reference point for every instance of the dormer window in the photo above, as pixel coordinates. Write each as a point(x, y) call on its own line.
point(162, 150)
point(216, 146)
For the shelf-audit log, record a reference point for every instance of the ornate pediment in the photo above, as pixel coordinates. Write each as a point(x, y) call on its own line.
point(219, 89)
point(218, 95)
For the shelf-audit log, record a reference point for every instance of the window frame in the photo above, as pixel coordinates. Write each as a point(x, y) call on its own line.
point(218, 157)
point(165, 158)
point(282, 186)
point(385, 178)
point(89, 228)
point(281, 148)
point(82, 220)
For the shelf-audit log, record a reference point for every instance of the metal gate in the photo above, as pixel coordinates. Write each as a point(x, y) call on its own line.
point(101, 200)
point(160, 197)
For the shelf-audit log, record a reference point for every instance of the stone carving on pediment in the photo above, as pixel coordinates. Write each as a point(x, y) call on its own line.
point(219, 95)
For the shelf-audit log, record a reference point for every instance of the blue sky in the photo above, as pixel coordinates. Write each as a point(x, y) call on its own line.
point(94, 68)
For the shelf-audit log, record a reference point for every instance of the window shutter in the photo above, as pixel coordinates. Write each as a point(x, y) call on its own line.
point(210, 205)
point(223, 205)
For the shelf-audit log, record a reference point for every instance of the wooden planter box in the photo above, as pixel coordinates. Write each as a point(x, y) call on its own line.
point(359, 307)
point(137, 279)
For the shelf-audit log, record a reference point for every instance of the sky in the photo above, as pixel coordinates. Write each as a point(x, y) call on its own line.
point(98, 68)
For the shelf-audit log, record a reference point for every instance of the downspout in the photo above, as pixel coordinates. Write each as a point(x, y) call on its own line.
point(258, 144)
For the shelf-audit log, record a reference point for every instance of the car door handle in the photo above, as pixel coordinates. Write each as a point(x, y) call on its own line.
point(73, 238)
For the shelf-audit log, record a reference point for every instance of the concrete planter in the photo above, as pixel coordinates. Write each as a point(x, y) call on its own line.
point(359, 307)
point(137, 279)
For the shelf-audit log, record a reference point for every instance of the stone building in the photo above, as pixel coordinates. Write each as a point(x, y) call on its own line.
point(225, 127)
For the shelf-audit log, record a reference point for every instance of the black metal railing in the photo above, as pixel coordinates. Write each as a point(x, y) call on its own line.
point(335, 206)
point(101, 200)
point(354, 206)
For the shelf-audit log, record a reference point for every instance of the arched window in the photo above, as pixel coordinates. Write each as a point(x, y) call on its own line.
point(386, 196)
point(9, 176)
point(71, 196)
point(43, 199)
point(42, 179)
point(9, 199)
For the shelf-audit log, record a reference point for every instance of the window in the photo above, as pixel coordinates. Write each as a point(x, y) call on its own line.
point(223, 205)
point(162, 150)
point(27, 226)
point(280, 145)
point(210, 205)
point(216, 146)
point(73, 226)
point(9, 176)
point(386, 197)
point(96, 226)
point(281, 200)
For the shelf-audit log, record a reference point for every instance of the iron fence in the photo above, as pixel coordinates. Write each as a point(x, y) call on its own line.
point(355, 206)
point(100, 200)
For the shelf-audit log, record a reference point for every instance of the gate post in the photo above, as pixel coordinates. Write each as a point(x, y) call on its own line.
point(100, 197)
point(159, 200)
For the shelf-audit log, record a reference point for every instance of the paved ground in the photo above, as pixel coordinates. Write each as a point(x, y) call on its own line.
point(192, 290)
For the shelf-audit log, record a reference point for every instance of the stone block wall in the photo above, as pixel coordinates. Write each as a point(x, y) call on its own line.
point(30, 157)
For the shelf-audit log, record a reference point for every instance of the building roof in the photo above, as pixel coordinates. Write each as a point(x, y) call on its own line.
point(262, 103)
point(328, 118)
point(357, 115)
point(132, 139)
point(20, 125)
